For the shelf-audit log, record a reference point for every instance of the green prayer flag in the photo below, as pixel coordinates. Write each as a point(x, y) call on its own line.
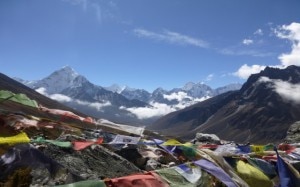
point(54, 142)
point(59, 143)
point(18, 98)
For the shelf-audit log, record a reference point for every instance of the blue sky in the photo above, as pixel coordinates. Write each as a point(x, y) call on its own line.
point(148, 44)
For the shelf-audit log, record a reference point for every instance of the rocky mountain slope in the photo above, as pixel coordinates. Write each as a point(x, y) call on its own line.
point(261, 111)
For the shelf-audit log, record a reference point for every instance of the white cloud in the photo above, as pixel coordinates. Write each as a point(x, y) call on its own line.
point(292, 33)
point(209, 77)
point(244, 52)
point(171, 37)
point(245, 71)
point(60, 98)
point(98, 12)
point(57, 97)
point(259, 32)
point(42, 91)
point(101, 10)
point(196, 100)
point(82, 3)
point(63, 98)
point(285, 89)
point(247, 41)
point(98, 106)
point(158, 109)
point(292, 58)
point(264, 79)
point(179, 96)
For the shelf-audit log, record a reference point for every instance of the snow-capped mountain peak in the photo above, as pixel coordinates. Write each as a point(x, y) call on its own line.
point(59, 80)
point(127, 88)
point(69, 71)
point(188, 86)
point(115, 88)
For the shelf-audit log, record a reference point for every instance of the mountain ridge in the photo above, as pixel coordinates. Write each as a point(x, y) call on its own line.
point(259, 112)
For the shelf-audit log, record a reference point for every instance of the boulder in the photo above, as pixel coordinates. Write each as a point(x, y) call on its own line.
point(293, 134)
point(207, 138)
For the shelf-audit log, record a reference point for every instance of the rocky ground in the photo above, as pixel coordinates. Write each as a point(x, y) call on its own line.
point(293, 134)
point(51, 165)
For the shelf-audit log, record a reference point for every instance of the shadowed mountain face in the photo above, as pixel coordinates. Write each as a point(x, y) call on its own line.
point(260, 112)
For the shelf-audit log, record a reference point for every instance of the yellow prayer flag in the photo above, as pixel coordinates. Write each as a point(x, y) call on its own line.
point(172, 142)
point(257, 148)
point(188, 144)
point(19, 138)
point(252, 176)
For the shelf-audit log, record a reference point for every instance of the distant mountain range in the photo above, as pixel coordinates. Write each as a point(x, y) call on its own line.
point(261, 111)
point(120, 104)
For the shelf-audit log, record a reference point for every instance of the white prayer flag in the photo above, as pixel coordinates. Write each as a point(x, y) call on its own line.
point(121, 139)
